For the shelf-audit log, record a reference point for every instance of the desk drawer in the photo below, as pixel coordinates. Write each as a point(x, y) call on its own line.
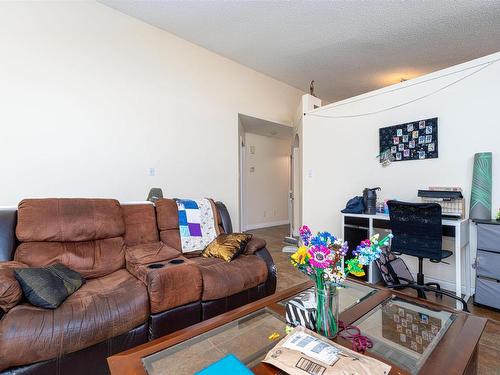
point(488, 264)
point(487, 292)
point(488, 237)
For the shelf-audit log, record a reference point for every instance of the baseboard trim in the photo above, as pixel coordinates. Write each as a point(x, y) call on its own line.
point(267, 225)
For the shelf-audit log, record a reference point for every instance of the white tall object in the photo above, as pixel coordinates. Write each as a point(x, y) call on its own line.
point(307, 103)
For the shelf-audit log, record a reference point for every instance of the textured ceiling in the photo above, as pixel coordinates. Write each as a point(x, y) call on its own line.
point(347, 47)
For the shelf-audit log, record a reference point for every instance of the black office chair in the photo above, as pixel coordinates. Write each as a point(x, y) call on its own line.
point(418, 232)
point(396, 275)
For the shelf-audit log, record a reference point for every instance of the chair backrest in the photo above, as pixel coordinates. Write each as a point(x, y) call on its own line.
point(417, 229)
point(393, 269)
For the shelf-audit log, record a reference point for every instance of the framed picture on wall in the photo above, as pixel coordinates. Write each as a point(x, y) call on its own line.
point(417, 140)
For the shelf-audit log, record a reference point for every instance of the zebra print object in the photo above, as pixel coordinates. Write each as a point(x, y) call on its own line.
point(301, 310)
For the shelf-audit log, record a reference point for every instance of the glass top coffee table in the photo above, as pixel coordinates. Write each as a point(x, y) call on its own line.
point(249, 338)
point(403, 332)
point(413, 336)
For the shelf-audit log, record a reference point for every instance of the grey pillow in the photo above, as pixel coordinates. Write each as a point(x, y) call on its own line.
point(48, 287)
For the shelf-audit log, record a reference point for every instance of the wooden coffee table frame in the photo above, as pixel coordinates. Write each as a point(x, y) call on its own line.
point(455, 354)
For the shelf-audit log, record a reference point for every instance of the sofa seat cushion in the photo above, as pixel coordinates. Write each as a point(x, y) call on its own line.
point(222, 279)
point(102, 308)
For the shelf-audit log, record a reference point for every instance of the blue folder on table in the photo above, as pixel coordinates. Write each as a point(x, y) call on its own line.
point(227, 365)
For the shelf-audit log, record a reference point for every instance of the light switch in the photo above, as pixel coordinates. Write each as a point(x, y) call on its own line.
point(151, 172)
point(252, 150)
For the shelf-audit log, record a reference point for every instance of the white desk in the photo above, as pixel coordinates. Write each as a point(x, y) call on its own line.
point(459, 229)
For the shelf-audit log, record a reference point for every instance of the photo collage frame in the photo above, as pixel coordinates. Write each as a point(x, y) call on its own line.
point(416, 140)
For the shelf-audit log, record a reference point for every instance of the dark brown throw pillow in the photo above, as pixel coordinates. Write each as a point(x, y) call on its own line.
point(227, 246)
point(48, 287)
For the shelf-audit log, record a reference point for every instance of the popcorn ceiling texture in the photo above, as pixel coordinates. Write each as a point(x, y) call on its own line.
point(347, 47)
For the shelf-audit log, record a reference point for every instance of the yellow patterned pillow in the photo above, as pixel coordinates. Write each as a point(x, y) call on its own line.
point(227, 246)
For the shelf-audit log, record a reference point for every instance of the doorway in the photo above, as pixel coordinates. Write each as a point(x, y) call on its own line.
point(265, 173)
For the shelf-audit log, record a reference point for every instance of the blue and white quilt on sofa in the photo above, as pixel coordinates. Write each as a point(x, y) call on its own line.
point(197, 225)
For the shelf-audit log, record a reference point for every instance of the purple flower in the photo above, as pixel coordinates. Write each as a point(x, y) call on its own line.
point(305, 234)
point(343, 249)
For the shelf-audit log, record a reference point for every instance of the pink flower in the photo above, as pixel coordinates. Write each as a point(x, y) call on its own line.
point(319, 256)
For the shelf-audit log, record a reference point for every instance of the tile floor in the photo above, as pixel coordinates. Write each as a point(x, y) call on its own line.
point(489, 346)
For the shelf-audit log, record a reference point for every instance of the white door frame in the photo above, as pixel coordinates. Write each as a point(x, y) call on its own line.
point(242, 157)
point(295, 175)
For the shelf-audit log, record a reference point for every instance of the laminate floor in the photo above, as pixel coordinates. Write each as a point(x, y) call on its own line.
point(489, 346)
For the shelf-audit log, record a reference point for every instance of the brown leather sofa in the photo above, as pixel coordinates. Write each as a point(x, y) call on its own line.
point(124, 302)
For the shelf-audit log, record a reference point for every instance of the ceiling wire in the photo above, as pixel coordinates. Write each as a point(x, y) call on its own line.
point(481, 67)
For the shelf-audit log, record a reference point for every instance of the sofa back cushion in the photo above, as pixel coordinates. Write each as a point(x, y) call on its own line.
point(91, 259)
point(69, 220)
point(140, 223)
point(86, 235)
point(168, 222)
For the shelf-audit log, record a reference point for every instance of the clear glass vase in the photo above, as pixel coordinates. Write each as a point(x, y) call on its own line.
point(327, 310)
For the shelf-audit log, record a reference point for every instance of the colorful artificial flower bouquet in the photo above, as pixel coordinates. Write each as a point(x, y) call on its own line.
point(320, 258)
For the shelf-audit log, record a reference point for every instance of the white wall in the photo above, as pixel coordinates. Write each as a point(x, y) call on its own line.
point(92, 98)
point(340, 153)
point(266, 190)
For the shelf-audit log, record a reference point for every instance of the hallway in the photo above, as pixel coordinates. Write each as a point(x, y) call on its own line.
point(287, 275)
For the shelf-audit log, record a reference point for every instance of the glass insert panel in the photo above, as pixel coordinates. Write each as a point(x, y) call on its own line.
point(404, 332)
point(247, 338)
point(350, 295)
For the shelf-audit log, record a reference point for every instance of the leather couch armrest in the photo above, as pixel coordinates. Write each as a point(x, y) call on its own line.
point(10, 290)
point(254, 245)
point(272, 272)
point(8, 221)
point(169, 285)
